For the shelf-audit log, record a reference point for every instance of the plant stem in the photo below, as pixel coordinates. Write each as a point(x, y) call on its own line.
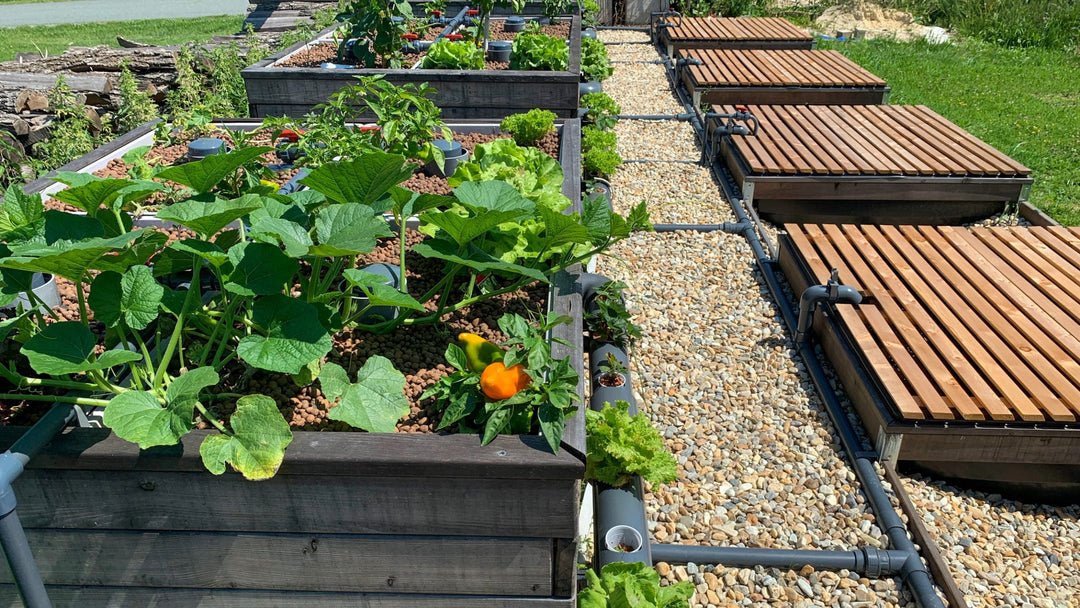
point(401, 255)
point(206, 416)
point(84, 313)
point(56, 399)
point(175, 338)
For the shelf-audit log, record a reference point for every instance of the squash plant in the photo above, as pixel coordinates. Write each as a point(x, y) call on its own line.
point(261, 292)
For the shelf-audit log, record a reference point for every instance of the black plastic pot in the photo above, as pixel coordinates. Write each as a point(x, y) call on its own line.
point(514, 24)
point(499, 50)
point(359, 300)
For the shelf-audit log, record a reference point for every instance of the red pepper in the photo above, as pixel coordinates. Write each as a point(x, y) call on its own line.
point(290, 135)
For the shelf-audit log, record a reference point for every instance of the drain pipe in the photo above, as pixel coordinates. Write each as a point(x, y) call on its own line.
point(868, 561)
point(12, 536)
point(452, 25)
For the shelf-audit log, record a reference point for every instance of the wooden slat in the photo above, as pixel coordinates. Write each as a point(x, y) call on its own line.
point(924, 389)
point(778, 67)
point(736, 28)
point(293, 562)
point(879, 363)
point(999, 359)
point(1017, 320)
point(976, 300)
point(889, 140)
point(305, 504)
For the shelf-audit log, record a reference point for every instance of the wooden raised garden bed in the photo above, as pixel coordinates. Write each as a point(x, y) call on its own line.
point(294, 91)
point(877, 164)
point(350, 519)
point(963, 357)
point(733, 33)
point(755, 76)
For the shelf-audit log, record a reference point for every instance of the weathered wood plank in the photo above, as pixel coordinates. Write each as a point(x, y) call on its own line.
point(78, 83)
point(141, 597)
point(335, 454)
point(156, 500)
point(294, 562)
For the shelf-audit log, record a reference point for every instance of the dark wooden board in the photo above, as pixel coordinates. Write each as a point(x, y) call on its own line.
point(141, 597)
point(274, 91)
point(160, 500)
point(294, 562)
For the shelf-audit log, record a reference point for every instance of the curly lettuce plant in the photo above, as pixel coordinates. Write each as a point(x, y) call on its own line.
point(537, 51)
point(620, 446)
point(453, 55)
point(632, 585)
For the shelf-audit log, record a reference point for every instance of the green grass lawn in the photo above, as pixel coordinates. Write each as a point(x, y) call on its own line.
point(1024, 102)
point(54, 39)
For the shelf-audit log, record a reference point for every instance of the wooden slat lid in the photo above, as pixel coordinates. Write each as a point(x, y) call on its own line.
point(736, 29)
point(875, 140)
point(774, 67)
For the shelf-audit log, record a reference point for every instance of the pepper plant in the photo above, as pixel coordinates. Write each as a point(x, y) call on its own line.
point(374, 32)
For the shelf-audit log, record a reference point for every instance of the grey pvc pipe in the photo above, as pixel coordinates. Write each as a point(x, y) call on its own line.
point(686, 116)
point(868, 561)
point(12, 536)
point(729, 227)
point(456, 21)
point(21, 560)
point(620, 522)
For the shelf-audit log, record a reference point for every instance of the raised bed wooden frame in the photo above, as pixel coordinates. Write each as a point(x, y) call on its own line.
point(778, 76)
point(871, 182)
point(351, 519)
point(1034, 458)
point(281, 91)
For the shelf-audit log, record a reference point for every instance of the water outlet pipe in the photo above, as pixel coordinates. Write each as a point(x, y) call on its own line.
point(12, 536)
point(832, 292)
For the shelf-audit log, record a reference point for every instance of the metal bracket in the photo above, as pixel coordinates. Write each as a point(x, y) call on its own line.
point(888, 445)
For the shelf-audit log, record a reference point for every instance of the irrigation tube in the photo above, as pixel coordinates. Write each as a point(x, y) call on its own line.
point(12, 536)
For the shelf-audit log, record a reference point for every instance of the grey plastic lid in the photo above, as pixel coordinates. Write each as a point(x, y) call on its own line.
point(515, 19)
point(447, 146)
point(205, 146)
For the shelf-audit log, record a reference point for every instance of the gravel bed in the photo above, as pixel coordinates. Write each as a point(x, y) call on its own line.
point(642, 88)
point(607, 36)
point(674, 193)
point(638, 139)
point(759, 466)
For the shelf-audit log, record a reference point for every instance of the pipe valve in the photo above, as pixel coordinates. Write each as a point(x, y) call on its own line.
point(832, 292)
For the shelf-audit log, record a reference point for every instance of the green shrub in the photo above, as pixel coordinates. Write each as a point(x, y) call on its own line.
point(725, 8)
point(1014, 23)
point(595, 64)
point(70, 136)
point(136, 107)
point(528, 127)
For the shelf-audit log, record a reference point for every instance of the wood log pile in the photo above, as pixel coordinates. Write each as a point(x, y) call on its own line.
point(93, 74)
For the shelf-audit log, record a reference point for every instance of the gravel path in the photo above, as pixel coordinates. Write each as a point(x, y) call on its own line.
point(759, 462)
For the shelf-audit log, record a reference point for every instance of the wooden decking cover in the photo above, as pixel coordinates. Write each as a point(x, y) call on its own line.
point(866, 140)
point(736, 29)
point(775, 67)
point(959, 323)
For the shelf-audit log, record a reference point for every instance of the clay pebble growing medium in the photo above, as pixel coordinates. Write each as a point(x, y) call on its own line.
point(759, 466)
